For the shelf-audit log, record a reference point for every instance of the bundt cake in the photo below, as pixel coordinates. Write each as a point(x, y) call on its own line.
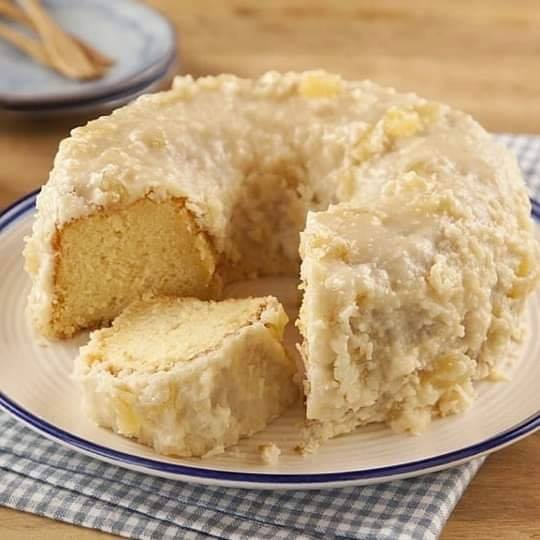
point(417, 254)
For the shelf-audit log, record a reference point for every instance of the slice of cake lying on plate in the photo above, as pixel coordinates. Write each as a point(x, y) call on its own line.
point(189, 377)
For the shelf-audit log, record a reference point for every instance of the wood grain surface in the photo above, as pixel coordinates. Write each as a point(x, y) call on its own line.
point(482, 56)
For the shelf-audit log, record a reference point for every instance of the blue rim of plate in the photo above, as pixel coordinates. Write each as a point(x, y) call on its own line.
point(527, 426)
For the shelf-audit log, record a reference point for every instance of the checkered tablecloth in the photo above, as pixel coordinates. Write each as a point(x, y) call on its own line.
point(41, 477)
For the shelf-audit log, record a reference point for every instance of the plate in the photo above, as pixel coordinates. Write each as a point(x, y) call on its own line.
point(140, 40)
point(100, 105)
point(35, 387)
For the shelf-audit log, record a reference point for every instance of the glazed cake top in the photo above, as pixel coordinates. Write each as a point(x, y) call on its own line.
point(350, 142)
point(200, 140)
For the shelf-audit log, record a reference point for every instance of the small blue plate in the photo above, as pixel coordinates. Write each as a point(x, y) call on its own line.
point(139, 40)
point(98, 106)
point(101, 105)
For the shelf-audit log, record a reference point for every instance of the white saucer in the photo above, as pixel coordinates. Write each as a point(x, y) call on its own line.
point(141, 41)
point(35, 387)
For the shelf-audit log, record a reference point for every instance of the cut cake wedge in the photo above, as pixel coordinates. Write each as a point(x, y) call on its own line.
point(189, 377)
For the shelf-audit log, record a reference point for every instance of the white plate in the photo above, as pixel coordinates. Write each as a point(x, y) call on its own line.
point(35, 387)
point(140, 40)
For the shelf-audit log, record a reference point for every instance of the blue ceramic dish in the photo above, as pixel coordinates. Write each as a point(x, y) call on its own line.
point(141, 41)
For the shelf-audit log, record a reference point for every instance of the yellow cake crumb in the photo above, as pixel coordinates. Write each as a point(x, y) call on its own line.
point(270, 453)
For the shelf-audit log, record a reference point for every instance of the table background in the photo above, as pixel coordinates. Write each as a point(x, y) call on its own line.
point(482, 56)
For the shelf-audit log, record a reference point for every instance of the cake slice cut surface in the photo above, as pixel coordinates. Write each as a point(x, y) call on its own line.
point(189, 377)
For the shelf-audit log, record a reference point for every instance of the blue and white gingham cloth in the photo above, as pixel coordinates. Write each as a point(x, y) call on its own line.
point(42, 477)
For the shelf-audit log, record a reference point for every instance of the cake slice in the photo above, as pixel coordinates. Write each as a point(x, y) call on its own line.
point(186, 376)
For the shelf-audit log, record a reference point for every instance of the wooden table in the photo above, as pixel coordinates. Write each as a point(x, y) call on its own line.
point(481, 56)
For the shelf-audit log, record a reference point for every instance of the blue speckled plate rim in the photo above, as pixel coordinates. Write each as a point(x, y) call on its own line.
point(529, 425)
point(123, 85)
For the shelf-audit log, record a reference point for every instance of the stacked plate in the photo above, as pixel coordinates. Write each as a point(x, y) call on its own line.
point(141, 42)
